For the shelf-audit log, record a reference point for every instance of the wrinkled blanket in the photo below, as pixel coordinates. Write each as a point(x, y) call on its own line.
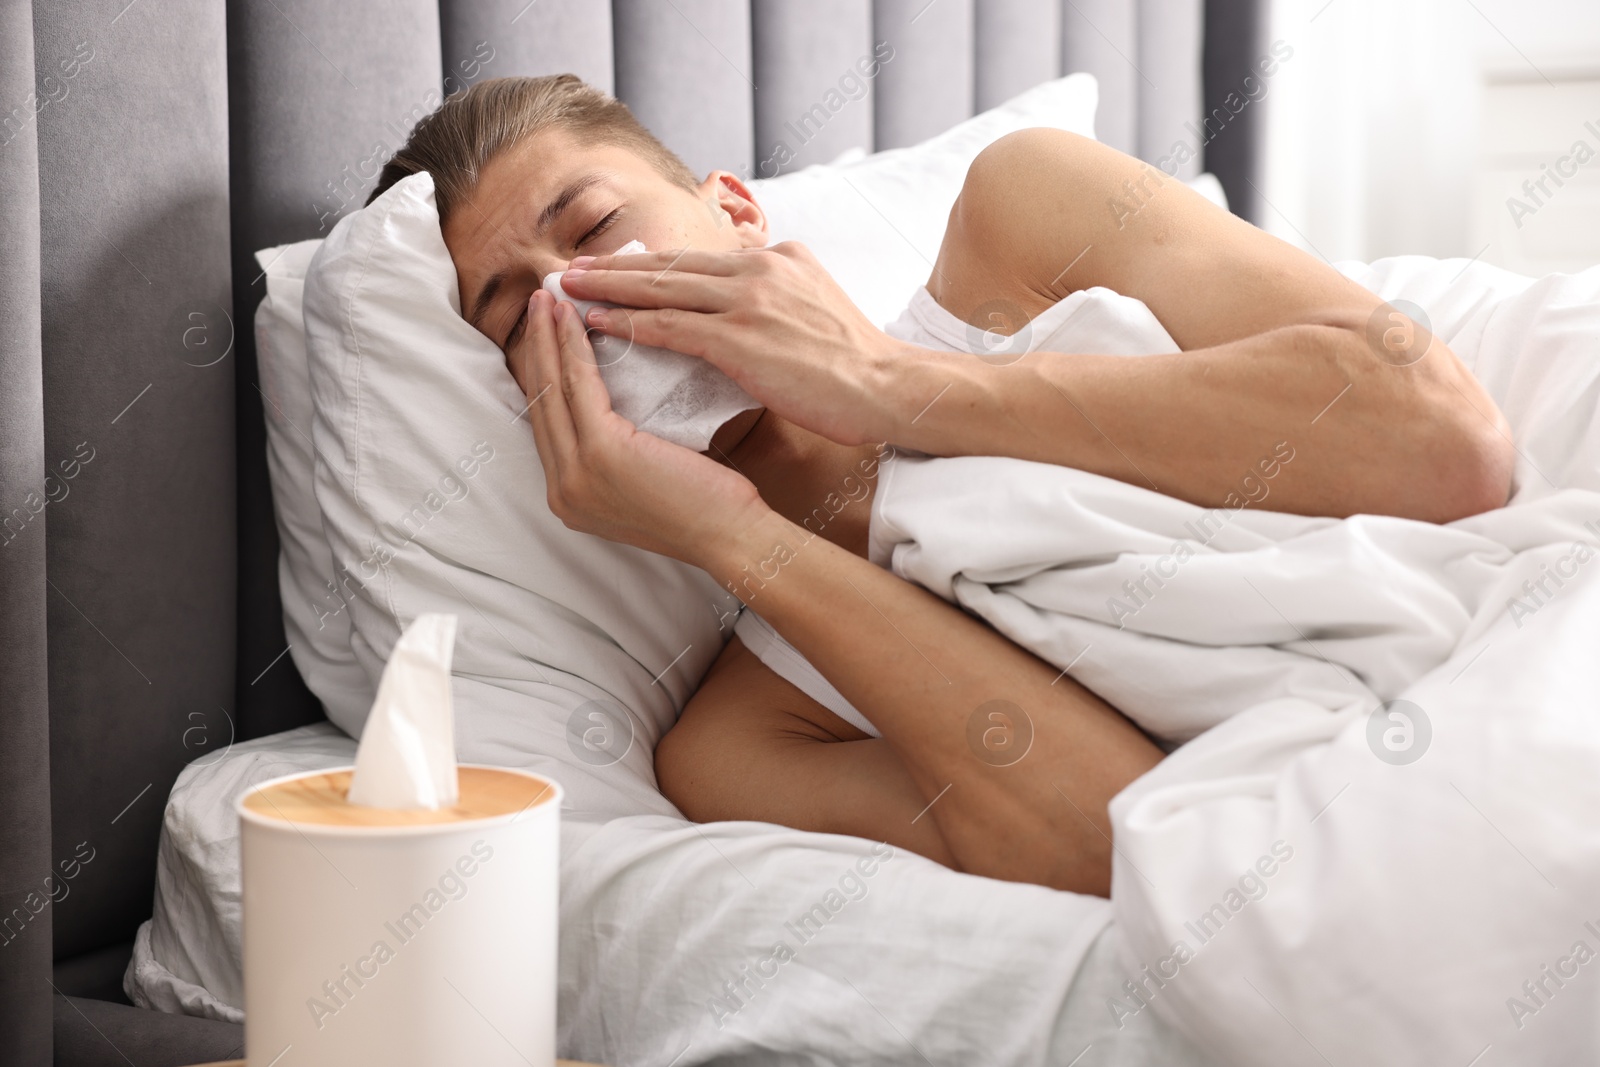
point(1380, 843)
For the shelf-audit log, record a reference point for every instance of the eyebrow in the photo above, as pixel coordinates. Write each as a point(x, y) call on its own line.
point(551, 212)
point(564, 200)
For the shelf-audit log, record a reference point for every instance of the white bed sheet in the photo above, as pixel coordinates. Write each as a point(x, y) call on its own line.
point(663, 921)
point(1384, 822)
point(1314, 877)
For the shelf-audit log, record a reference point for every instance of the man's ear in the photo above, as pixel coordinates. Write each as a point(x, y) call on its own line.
point(735, 205)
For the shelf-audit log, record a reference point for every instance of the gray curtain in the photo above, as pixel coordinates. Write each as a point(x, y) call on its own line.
point(148, 149)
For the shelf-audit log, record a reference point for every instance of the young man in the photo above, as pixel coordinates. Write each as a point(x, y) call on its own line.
point(539, 175)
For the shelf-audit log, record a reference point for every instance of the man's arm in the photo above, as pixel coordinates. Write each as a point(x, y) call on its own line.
point(1276, 346)
point(1277, 349)
point(1017, 764)
point(749, 745)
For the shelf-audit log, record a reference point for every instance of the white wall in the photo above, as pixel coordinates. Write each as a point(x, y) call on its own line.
point(1556, 35)
point(1541, 112)
point(1404, 125)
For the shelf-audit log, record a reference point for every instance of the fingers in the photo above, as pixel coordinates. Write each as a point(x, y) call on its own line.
point(584, 392)
point(689, 260)
point(689, 332)
point(670, 285)
point(553, 431)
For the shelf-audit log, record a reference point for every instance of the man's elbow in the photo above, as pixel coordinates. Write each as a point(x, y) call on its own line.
point(1476, 462)
point(1458, 449)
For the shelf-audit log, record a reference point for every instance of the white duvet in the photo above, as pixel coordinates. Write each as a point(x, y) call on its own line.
point(1382, 844)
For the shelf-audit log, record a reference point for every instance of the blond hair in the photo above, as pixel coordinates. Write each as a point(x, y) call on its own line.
point(475, 125)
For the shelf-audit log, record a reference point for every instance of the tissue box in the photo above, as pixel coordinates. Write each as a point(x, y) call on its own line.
point(410, 938)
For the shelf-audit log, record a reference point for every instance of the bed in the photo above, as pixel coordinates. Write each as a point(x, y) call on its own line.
point(149, 151)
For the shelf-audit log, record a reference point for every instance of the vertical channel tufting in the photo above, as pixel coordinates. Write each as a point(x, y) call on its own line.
point(1235, 37)
point(1018, 45)
point(1170, 52)
point(25, 859)
point(685, 70)
point(499, 38)
point(815, 71)
point(138, 432)
point(1101, 38)
point(319, 96)
point(926, 84)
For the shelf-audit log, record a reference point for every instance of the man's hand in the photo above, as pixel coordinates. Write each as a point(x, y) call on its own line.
point(772, 319)
point(603, 476)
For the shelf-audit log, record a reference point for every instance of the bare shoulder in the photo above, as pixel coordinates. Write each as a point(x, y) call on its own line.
point(1061, 212)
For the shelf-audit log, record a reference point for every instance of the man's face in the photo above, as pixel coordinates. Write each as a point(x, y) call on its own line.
point(552, 198)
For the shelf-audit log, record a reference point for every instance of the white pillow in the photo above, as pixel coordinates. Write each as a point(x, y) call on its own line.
point(876, 221)
point(314, 619)
point(574, 654)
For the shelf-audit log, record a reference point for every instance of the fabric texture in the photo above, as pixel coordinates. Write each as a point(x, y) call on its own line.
point(1090, 320)
point(25, 840)
point(1480, 811)
point(433, 499)
point(1301, 657)
point(1101, 38)
point(315, 619)
point(1234, 40)
point(684, 69)
point(732, 941)
point(931, 83)
point(876, 223)
point(1018, 46)
point(100, 1033)
point(318, 96)
point(138, 420)
point(490, 38)
point(1171, 40)
point(815, 65)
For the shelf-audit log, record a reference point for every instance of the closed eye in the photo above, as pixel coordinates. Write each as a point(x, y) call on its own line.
point(599, 228)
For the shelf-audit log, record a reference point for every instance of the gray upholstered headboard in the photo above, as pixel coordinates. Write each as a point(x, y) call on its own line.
point(151, 147)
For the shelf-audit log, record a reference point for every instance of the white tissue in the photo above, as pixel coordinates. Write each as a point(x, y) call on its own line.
point(407, 755)
point(677, 397)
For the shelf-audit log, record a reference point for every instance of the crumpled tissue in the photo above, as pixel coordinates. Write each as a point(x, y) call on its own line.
point(407, 755)
point(680, 398)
